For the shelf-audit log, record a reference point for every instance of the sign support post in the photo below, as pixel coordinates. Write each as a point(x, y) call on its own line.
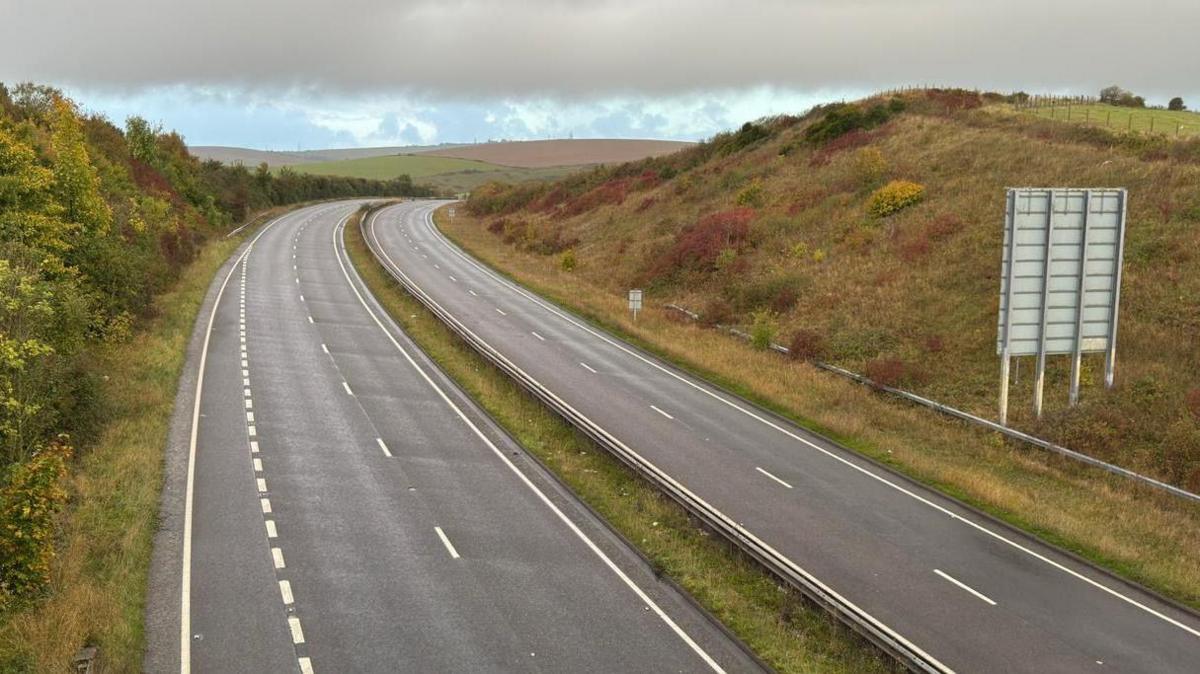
point(1006, 357)
point(1040, 378)
point(1077, 357)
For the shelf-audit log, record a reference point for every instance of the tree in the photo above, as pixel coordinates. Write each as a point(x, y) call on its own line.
point(76, 184)
point(142, 140)
point(1113, 95)
point(1176, 104)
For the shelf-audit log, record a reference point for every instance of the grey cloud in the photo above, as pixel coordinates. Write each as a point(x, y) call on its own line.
point(573, 50)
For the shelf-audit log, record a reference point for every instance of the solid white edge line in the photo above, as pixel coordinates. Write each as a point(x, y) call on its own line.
point(979, 527)
point(591, 545)
point(773, 477)
point(446, 542)
point(964, 586)
point(185, 593)
point(656, 409)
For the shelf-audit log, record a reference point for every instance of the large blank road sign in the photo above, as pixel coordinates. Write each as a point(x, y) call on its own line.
point(1061, 276)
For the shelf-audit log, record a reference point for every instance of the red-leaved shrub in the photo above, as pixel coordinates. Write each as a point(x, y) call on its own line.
point(697, 246)
point(610, 192)
point(892, 372)
point(1193, 402)
point(806, 345)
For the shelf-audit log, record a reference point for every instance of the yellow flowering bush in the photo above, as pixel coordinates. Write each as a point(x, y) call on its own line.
point(895, 196)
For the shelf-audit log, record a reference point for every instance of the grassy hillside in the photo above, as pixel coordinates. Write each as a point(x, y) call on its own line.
point(443, 173)
point(771, 227)
point(774, 222)
point(1185, 123)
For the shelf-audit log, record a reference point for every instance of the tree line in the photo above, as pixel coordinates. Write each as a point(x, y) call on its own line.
point(94, 221)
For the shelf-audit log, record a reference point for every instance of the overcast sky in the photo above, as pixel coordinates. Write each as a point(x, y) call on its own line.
point(276, 73)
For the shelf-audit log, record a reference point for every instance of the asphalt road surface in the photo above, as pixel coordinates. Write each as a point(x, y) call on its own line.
point(968, 593)
point(347, 509)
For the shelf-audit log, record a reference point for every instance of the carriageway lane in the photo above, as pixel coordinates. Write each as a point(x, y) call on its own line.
point(973, 595)
point(354, 511)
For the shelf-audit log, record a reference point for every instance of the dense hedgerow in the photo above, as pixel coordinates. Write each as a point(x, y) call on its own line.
point(94, 221)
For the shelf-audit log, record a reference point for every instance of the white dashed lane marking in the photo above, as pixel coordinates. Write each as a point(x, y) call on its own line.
point(446, 542)
point(773, 477)
point(661, 412)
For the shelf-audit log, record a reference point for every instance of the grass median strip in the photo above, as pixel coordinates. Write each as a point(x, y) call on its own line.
point(788, 633)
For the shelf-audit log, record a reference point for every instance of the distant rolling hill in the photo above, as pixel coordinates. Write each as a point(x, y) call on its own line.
point(252, 157)
point(544, 153)
point(458, 168)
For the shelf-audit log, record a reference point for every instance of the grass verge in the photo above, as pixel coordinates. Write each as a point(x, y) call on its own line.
point(779, 625)
point(1134, 531)
point(98, 586)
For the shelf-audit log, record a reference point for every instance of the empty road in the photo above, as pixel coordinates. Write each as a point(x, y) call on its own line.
point(347, 509)
point(952, 587)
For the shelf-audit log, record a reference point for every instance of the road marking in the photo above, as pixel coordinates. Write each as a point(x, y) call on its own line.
point(246, 381)
point(249, 404)
point(767, 422)
point(383, 447)
point(588, 368)
point(446, 542)
point(773, 477)
point(310, 320)
point(262, 485)
point(302, 297)
point(436, 266)
point(535, 334)
point(277, 557)
point(661, 412)
point(964, 586)
point(246, 391)
point(250, 417)
point(285, 589)
point(588, 542)
point(254, 446)
point(347, 387)
point(454, 279)
point(252, 431)
point(473, 293)
point(305, 666)
point(245, 372)
point(258, 465)
point(245, 363)
point(271, 532)
point(500, 311)
point(325, 349)
point(297, 633)
point(266, 505)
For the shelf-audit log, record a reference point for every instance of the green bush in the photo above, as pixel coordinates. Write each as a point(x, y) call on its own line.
point(895, 196)
point(762, 331)
point(869, 166)
point(29, 503)
point(567, 262)
point(752, 195)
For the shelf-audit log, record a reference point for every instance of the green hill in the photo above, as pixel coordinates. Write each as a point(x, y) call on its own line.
point(445, 173)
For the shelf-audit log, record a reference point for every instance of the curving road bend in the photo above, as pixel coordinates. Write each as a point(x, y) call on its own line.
point(347, 508)
point(964, 592)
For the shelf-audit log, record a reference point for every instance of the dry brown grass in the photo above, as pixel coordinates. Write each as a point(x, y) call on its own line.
point(1143, 535)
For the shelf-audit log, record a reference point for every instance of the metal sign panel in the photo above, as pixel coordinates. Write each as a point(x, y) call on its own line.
point(1055, 307)
point(1060, 286)
point(635, 299)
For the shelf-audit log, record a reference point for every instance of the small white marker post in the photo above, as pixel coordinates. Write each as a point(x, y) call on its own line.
point(635, 302)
